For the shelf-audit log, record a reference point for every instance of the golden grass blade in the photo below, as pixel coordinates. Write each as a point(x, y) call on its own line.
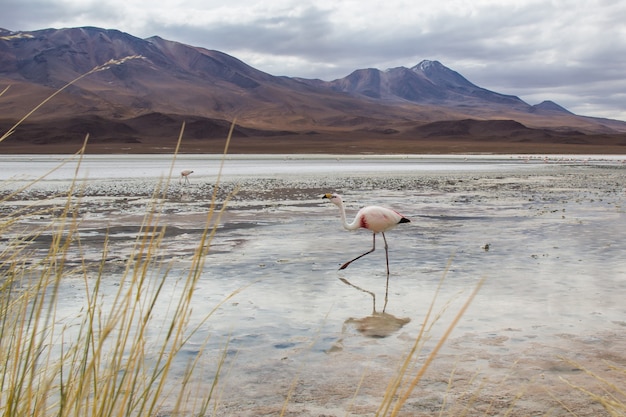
point(5, 90)
point(612, 396)
point(394, 385)
point(435, 350)
point(392, 393)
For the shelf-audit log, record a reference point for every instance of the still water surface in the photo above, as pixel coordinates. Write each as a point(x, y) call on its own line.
point(547, 237)
point(155, 166)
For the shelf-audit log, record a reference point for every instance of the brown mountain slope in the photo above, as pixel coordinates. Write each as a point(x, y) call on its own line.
point(142, 103)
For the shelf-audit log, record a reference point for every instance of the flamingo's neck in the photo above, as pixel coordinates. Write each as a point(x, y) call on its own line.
point(348, 226)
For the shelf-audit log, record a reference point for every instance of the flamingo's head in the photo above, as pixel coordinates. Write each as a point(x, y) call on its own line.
point(334, 198)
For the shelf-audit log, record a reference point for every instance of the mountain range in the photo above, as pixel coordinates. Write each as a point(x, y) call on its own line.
point(133, 95)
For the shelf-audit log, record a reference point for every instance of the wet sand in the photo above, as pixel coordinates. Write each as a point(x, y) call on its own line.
point(547, 238)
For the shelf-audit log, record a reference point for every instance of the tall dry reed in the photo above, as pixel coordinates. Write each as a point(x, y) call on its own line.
point(107, 361)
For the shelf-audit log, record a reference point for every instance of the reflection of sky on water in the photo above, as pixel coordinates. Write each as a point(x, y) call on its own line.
point(156, 166)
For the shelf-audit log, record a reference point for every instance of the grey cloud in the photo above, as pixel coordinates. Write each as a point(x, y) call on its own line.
point(281, 34)
point(28, 14)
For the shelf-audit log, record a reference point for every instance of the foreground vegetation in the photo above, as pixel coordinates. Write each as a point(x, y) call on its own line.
point(103, 362)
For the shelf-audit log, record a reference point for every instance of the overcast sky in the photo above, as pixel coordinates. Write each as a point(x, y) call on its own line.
point(570, 51)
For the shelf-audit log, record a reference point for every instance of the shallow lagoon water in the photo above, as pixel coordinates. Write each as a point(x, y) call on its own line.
point(554, 270)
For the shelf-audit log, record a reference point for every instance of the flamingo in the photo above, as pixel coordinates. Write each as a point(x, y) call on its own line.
point(185, 174)
point(375, 218)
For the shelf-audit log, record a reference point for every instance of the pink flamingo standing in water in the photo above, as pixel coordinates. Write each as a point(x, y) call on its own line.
point(375, 218)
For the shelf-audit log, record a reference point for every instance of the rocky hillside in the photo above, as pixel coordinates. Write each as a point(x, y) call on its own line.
point(144, 89)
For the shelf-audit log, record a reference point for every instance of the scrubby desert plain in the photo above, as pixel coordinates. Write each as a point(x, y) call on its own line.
point(543, 335)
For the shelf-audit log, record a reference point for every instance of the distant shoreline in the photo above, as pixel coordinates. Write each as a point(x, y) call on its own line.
point(265, 146)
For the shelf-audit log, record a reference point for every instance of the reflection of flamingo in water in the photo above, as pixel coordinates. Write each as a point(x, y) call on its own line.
point(376, 325)
point(374, 218)
point(185, 174)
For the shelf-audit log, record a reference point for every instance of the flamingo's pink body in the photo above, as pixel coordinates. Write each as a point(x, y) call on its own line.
point(378, 219)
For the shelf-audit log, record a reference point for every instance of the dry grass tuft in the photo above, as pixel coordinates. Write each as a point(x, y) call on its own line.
point(107, 361)
point(411, 370)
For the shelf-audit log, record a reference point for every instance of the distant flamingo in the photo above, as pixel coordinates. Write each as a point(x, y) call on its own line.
point(185, 174)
